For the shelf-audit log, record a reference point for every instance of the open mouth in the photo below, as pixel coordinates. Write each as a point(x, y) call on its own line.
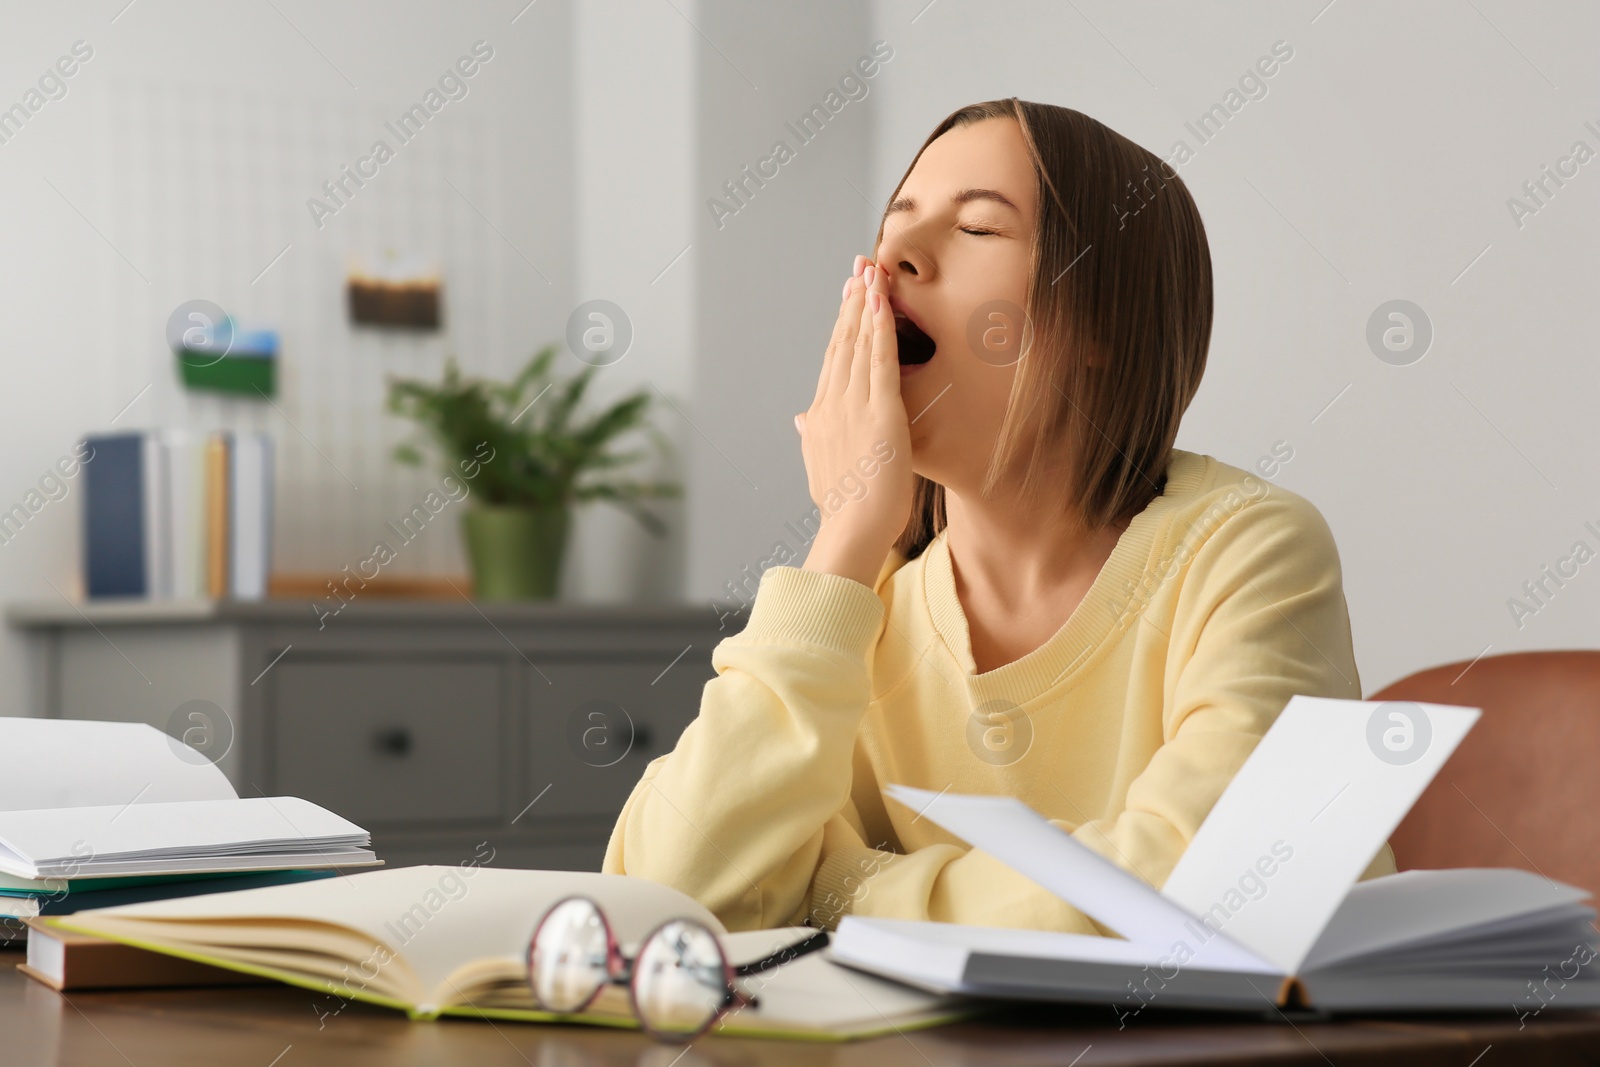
point(914, 345)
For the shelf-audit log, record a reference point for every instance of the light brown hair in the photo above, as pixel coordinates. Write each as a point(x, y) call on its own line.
point(1120, 303)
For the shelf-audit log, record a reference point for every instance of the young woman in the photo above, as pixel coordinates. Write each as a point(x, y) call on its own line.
point(1019, 586)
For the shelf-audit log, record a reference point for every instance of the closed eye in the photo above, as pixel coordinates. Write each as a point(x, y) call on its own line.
point(976, 232)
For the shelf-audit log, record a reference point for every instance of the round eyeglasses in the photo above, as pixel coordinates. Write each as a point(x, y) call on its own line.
point(680, 983)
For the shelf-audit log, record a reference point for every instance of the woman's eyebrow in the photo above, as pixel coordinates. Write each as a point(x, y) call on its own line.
point(905, 203)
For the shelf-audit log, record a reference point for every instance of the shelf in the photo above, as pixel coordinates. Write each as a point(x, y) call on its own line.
point(57, 614)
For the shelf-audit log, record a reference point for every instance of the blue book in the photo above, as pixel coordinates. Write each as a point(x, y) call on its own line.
point(115, 517)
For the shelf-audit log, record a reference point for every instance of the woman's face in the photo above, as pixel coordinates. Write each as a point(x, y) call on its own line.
point(957, 245)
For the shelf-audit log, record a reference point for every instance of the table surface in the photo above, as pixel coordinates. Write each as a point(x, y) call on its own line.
point(279, 1026)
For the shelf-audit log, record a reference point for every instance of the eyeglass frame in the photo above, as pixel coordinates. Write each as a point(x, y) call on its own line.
point(620, 969)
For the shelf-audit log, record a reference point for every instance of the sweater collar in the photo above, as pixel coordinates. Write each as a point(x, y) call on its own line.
point(1104, 607)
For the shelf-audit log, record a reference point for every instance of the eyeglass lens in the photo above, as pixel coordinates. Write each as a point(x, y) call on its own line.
point(680, 979)
point(571, 956)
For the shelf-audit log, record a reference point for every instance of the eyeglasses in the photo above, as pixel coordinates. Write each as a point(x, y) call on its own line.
point(680, 983)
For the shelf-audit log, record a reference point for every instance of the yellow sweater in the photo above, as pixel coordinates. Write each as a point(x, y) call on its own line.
point(1221, 600)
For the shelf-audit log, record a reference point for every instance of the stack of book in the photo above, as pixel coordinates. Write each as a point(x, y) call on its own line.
point(100, 813)
point(175, 515)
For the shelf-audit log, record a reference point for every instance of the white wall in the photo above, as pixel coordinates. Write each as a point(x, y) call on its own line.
point(769, 275)
point(1377, 167)
point(633, 127)
point(178, 166)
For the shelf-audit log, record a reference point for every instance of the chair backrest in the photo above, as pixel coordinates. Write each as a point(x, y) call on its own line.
point(1523, 789)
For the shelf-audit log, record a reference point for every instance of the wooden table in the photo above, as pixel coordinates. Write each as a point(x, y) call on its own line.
point(277, 1026)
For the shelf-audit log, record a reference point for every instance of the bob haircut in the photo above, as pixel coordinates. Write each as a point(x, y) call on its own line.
point(1119, 304)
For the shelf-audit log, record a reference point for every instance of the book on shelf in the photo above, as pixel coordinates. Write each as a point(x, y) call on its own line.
point(100, 808)
point(186, 482)
point(249, 516)
point(452, 940)
point(173, 514)
point(1264, 909)
point(156, 496)
point(115, 560)
point(217, 509)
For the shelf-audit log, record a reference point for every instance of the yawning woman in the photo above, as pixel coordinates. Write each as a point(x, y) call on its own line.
point(1019, 586)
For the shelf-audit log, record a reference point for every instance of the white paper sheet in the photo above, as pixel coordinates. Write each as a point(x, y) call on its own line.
point(64, 763)
point(1030, 844)
point(1327, 784)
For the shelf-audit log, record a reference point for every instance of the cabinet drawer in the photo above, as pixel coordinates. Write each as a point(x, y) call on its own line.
point(382, 741)
point(594, 726)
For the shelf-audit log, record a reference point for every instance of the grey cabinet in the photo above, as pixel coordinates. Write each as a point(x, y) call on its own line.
point(438, 727)
point(596, 724)
point(385, 741)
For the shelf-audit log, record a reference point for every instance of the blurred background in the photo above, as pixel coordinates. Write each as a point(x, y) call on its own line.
point(600, 151)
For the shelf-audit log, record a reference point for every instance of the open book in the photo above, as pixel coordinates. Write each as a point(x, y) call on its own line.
point(452, 940)
point(1264, 907)
point(89, 800)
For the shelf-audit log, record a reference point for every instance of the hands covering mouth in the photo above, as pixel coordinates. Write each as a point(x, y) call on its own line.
point(857, 428)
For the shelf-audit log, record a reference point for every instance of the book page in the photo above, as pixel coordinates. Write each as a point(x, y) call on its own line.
point(1305, 815)
point(1416, 906)
point(854, 930)
point(815, 993)
point(82, 763)
point(440, 919)
point(1030, 844)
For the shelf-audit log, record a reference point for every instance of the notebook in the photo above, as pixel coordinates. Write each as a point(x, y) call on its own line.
point(1264, 908)
point(62, 896)
point(446, 940)
point(111, 799)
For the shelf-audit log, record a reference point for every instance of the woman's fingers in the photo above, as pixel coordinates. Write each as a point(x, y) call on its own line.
point(841, 329)
point(858, 419)
point(828, 353)
point(884, 376)
point(840, 364)
point(861, 354)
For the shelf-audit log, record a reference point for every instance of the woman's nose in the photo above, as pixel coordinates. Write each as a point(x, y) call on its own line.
point(901, 256)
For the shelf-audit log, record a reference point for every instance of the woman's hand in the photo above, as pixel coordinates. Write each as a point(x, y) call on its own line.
point(856, 438)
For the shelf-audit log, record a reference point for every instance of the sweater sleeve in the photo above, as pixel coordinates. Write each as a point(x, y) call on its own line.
point(1260, 616)
point(734, 815)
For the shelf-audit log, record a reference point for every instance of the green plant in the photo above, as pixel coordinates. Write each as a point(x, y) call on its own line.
point(545, 455)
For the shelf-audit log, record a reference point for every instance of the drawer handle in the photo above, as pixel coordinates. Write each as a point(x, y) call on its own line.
point(393, 741)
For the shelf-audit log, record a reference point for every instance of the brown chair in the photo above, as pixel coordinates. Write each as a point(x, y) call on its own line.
point(1523, 789)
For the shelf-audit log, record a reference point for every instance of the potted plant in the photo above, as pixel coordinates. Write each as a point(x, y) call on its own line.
point(535, 458)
